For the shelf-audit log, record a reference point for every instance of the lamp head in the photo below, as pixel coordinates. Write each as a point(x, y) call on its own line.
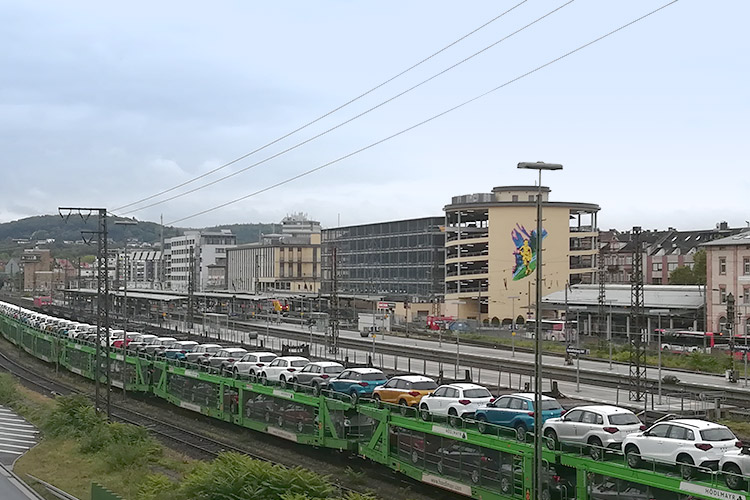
point(540, 165)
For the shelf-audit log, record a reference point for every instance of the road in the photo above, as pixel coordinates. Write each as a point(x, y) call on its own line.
point(16, 437)
point(410, 361)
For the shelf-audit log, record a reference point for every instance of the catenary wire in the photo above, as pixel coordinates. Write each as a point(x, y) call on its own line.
point(423, 122)
point(325, 115)
point(353, 118)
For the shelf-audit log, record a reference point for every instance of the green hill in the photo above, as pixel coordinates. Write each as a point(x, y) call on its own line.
point(48, 227)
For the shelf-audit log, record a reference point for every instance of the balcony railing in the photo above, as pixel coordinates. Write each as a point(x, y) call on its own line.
point(474, 290)
point(467, 272)
point(467, 236)
point(581, 246)
point(582, 265)
point(483, 253)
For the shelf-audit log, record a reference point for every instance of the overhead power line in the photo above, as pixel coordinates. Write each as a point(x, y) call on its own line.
point(355, 117)
point(428, 120)
point(325, 115)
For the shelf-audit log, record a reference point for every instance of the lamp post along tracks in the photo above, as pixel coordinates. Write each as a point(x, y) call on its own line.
point(538, 483)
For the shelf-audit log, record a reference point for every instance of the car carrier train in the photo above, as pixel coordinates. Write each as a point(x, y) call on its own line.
point(447, 453)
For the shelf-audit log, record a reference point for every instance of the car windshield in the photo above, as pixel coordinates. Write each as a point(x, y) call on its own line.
point(477, 393)
point(623, 419)
point(718, 434)
point(266, 359)
point(550, 405)
point(372, 376)
point(423, 386)
point(332, 369)
point(212, 349)
point(299, 362)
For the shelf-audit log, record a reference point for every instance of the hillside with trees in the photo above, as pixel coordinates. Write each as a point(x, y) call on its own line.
point(61, 230)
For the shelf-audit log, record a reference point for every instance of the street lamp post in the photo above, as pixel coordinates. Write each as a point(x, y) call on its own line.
point(538, 483)
point(513, 299)
point(577, 310)
point(609, 334)
point(659, 313)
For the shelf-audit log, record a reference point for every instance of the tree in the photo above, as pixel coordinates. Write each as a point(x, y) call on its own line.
point(699, 267)
point(682, 275)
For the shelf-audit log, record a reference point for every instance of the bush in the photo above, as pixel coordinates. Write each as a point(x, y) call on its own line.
point(73, 417)
point(8, 390)
point(157, 487)
point(95, 440)
point(233, 475)
point(120, 455)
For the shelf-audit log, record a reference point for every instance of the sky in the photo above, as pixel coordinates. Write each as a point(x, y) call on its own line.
point(104, 104)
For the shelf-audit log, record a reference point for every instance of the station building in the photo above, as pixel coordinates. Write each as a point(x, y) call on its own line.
point(728, 272)
point(490, 256)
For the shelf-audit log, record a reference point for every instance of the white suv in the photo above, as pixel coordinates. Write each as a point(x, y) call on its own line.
point(283, 369)
point(686, 442)
point(600, 427)
point(734, 464)
point(454, 400)
point(252, 363)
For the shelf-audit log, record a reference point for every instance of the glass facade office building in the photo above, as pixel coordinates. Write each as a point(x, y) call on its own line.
point(399, 260)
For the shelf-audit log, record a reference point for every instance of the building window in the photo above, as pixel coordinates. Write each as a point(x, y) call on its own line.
point(746, 266)
point(531, 198)
point(722, 295)
point(746, 295)
point(672, 266)
point(722, 265)
point(515, 198)
point(656, 266)
point(656, 281)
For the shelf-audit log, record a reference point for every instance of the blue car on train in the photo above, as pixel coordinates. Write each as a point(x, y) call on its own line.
point(516, 411)
point(357, 382)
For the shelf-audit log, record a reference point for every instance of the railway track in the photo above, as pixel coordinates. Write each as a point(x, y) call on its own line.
point(201, 446)
point(732, 396)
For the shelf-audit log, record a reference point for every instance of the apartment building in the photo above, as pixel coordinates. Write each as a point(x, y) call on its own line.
point(208, 249)
point(288, 261)
point(663, 251)
point(139, 268)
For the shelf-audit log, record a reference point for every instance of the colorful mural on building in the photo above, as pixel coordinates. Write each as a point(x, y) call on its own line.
point(525, 252)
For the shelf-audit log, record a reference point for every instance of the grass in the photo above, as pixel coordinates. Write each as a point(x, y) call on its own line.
point(59, 461)
point(695, 362)
point(78, 447)
point(740, 428)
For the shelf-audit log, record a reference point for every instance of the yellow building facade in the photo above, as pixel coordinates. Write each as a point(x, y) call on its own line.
point(491, 246)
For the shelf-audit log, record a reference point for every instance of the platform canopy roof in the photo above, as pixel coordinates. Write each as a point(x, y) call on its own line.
point(676, 298)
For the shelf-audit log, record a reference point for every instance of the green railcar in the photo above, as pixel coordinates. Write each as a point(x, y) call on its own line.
point(487, 466)
point(496, 466)
point(294, 416)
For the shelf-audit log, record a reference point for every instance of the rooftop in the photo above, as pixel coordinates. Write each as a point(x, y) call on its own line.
point(738, 239)
point(678, 297)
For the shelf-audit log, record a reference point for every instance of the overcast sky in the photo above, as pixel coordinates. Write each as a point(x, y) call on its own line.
point(103, 104)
